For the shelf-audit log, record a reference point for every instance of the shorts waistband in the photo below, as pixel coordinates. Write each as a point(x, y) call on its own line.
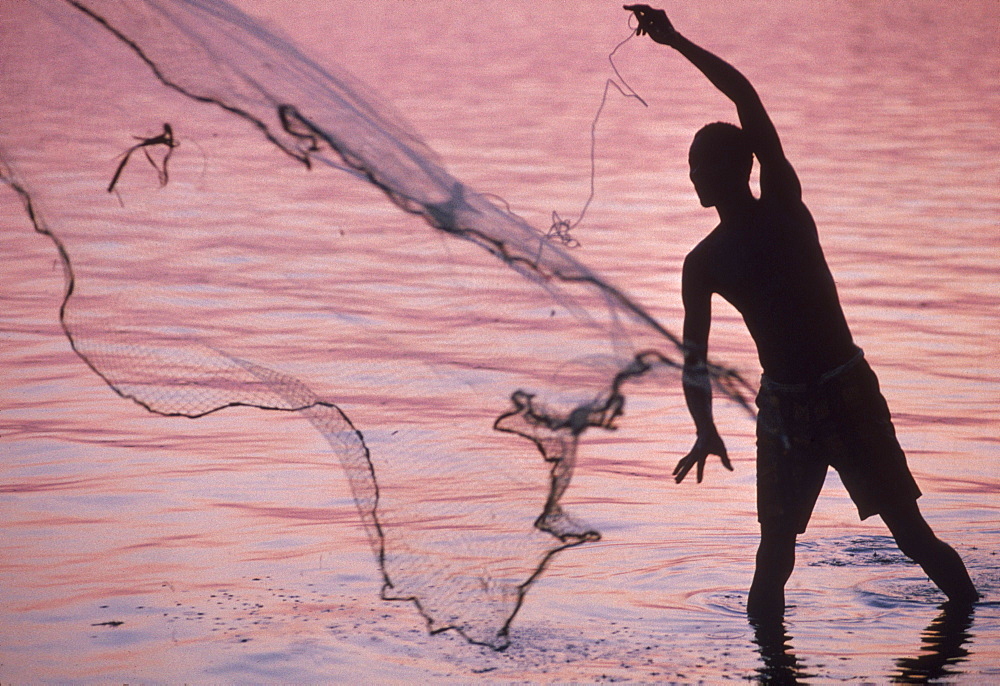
point(826, 377)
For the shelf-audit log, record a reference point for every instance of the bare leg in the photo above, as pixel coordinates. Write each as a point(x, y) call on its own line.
point(938, 559)
point(775, 561)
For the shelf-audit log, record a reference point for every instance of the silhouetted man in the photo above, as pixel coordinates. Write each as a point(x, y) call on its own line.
point(819, 401)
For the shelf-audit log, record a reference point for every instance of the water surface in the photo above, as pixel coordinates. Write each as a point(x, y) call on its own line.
point(138, 547)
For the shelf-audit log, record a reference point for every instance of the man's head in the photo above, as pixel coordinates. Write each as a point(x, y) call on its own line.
point(720, 160)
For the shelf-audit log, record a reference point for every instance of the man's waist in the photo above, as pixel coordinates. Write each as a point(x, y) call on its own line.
point(824, 379)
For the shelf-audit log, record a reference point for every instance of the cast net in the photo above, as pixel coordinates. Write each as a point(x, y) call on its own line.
point(223, 225)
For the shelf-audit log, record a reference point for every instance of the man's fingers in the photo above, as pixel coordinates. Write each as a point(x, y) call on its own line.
point(682, 468)
point(640, 12)
point(699, 458)
point(695, 457)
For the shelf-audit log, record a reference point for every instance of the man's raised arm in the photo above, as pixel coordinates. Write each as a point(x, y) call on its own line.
point(754, 120)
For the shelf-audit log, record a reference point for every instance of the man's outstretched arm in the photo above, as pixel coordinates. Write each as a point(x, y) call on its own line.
point(754, 120)
point(696, 381)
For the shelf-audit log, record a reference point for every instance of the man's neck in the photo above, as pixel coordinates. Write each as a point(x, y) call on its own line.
point(733, 211)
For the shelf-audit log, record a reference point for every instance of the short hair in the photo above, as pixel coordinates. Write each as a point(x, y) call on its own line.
point(723, 141)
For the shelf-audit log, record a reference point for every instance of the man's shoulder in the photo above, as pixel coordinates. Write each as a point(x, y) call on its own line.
point(707, 250)
point(700, 262)
point(697, 256)
point(706, 245)
point(782, 209)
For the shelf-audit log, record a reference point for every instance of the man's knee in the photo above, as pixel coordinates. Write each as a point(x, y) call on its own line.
point(903, 515)
point(777, 545)
point(912, 533)
point(778, 531)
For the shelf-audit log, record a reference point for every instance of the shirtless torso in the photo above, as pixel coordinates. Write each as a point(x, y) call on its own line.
point(769, 265)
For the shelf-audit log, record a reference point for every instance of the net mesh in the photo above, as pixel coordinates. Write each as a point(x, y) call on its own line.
point(450, 354)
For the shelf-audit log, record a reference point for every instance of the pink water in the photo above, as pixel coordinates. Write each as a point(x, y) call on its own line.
point(229, 547)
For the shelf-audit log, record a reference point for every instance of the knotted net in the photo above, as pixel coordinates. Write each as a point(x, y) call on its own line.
point(224, 246)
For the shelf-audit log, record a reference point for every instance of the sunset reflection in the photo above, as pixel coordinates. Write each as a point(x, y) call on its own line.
point(230, 548)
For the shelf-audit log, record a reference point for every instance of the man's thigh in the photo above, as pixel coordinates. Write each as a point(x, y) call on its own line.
point(790, 476)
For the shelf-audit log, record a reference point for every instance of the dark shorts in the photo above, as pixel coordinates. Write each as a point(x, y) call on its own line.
point(840, 421)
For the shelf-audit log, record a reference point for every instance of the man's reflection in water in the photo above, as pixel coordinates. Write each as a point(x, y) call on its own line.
point(943, 647)
point(779, 664)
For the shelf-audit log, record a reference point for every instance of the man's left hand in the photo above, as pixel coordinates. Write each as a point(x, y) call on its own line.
point(703, 447)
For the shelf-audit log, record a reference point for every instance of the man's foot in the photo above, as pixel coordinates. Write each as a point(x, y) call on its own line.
point(963, 599)
point(765, 608)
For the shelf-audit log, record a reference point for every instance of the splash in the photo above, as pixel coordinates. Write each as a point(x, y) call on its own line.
point(438, 365)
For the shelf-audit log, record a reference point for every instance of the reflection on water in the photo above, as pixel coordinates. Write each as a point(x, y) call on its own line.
point(944, 647)
point(778, 662)
point(229, 548)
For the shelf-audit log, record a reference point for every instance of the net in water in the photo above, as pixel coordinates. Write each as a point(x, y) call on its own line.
point(242, 226)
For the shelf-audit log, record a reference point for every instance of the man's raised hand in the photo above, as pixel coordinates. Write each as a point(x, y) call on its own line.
point(653, 22)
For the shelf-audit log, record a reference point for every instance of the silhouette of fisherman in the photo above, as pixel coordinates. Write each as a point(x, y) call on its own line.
point(819, 401)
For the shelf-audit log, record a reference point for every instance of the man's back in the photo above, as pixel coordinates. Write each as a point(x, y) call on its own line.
point(768, 264)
